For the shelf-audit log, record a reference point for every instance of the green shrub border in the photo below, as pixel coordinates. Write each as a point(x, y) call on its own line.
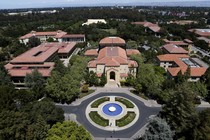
point(124, 101)
point(128, 118)
point(99, 101)
point(98, 119)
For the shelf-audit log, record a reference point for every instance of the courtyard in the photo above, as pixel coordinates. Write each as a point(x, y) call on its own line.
point(112, 110)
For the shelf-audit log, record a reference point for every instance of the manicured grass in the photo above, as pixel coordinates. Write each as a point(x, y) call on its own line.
point(85, 94)
point(128, 118)
point(111, 31)
point(99, 101)
point(98, 119)
point(127, 103)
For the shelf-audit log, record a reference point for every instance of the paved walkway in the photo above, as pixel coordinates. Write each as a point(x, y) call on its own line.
point(76, 112)
point(147, 109)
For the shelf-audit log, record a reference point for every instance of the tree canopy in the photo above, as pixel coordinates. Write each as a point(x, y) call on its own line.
point(68, 130)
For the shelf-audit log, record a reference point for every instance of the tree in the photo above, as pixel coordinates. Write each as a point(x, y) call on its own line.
point(150, 80)
point(35, 82)
point(204, 125)
point(59, 67)
point(180, 112)
point(38, 130)
point(4, 78)
point(47, 110)
point(91, 78)
point(158, 129)
point(34, 42)
point(68, 130)
point(7, 98)
point(13, 125)
point(103, 80)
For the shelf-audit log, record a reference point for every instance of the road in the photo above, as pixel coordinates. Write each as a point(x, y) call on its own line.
point(79, 111)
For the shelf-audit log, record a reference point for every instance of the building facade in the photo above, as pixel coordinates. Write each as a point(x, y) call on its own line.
point(113, 60)
point(59, 36)
point(40, 58)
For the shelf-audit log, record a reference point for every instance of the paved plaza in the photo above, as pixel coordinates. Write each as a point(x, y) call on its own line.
point(77, 110)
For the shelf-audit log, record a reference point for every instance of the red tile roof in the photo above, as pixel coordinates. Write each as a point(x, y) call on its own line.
point(112, 56)
point(35, 55)
point(21, 70)
point(177, 58)
point(50, 33)
point(112, 40)
point(171, 48)
point(175, 42)
point(132, 51)
point(91, 52)
point(43, 52)
point(73, 36)
point(206, 34)
point(151, 26)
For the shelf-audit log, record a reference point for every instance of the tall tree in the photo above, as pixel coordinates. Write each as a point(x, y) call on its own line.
point(158, 129)
point(180, 112)
point(68, 130)
point(35, 82)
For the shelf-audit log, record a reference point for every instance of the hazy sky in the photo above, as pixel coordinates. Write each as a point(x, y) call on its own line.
point(5, 4)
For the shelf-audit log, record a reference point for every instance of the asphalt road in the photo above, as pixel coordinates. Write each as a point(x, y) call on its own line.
point(79, 111)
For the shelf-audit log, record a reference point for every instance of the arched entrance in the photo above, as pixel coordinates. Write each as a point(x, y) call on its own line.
point(112, 75)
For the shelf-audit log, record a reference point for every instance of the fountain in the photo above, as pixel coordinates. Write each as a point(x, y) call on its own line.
point(112, 109)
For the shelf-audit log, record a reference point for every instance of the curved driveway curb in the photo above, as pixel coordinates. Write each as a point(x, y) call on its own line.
point(78, 108)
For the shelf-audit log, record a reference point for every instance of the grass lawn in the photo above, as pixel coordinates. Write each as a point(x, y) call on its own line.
point(85, 94)
point(126, 102)
point(128, 118)
point(99, 101)
point(111, 31)
point(98, 119)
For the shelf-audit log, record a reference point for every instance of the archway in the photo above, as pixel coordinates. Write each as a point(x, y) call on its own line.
point(112, 75)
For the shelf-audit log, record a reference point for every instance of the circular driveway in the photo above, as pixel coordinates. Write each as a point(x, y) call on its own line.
point(79, 111)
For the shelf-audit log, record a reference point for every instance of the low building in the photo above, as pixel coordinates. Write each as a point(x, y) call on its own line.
point(112, 59)
point(173, 49)
point(149, 26)
point(175, 63)
point(92, 21)
point(202, 34)
point(40, 58)
point(183, 22)
point(59, 36)
point(186, 44)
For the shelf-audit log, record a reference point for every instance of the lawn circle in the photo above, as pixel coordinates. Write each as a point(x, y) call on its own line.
point(112, 113)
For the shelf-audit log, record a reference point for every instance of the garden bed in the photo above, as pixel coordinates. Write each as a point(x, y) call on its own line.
point(128, 118)
point(98, 119)
point(126, 102)
point(99, 101)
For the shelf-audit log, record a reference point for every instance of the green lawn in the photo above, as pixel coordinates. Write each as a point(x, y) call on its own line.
point(126, 102)
point(98, 119)
point(128, 118)
point(111, 31)
point(99, 101)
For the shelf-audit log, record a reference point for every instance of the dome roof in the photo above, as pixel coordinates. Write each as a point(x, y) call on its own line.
point(112, 40)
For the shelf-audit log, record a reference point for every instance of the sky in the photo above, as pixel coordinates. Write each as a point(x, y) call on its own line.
point(11, 4)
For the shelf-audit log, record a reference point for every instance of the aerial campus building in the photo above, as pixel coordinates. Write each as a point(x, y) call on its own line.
point(176, 59)
point(40, 58)
point(112, 59)
point(59, 36)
